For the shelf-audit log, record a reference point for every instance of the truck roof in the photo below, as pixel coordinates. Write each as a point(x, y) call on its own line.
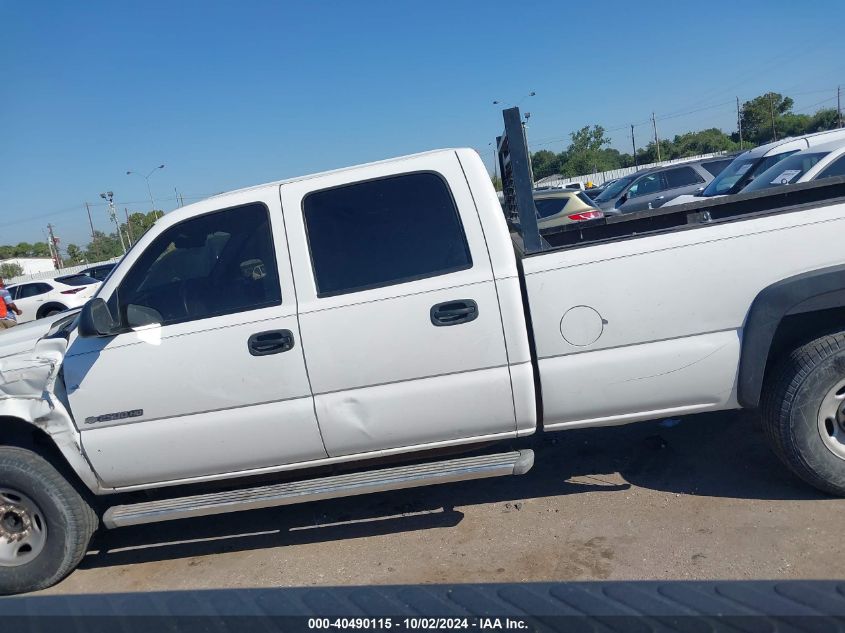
point(277, 183)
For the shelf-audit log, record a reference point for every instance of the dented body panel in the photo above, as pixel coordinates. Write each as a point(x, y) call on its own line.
point(31, 391)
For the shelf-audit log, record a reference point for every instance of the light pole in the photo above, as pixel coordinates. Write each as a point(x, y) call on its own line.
point(109, 196)
point(147, 179)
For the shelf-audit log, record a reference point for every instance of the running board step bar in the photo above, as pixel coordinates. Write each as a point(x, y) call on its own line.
point(397, 478)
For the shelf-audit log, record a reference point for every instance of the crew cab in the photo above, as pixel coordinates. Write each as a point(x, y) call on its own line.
point(379, 319)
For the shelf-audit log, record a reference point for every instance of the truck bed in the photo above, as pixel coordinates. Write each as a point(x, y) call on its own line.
point(641, 316)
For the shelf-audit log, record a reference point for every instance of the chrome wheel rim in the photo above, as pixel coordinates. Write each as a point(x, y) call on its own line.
point(23, 530)
point(832, 420)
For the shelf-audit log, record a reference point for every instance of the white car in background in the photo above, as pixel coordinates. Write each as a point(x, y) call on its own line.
point(815, 163)
point(746, 167)
point(46, 297)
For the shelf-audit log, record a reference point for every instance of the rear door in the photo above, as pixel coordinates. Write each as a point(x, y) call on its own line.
point(643, 192)
point(680, 181)
point(398, 309)
point(29, 298)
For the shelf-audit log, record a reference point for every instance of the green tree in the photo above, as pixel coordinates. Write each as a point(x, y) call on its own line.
point(584, 154)
point(139, 223)
point(827, 119)
point(544, 163)
point(10, 270)
point(497, 182)
point(75, 254)
point(756, 116)
point(103, 247)
point(702, 142)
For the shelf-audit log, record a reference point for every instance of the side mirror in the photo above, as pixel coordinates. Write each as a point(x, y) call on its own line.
point(96, 319)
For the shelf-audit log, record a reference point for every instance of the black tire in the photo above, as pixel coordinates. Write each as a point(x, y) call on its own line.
point(791, 403)
point(70, 521)
point(50, 311)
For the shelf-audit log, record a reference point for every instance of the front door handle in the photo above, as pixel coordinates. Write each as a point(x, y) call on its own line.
point(270, 342)
point(454, 312)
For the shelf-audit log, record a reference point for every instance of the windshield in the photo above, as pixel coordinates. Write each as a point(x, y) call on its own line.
point(615, 189)
point(739, 173)
point(786, 171)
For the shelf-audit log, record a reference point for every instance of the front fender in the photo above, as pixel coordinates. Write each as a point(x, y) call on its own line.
point(30, 391)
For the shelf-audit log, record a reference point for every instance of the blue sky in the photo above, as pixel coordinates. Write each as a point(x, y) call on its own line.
point(229, 94)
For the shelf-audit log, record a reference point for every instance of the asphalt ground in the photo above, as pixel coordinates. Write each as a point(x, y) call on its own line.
point(697, 498)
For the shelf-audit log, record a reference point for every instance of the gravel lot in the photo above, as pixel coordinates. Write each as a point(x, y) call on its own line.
point(703, 499)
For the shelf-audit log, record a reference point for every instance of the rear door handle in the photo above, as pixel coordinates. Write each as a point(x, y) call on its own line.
point(270, 342)
point(454, 312)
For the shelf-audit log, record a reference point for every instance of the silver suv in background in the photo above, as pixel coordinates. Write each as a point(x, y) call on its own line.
point(651, 188)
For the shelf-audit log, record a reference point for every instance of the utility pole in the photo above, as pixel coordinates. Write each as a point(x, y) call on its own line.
point(739, 123)
point(90, 221)
point(656, 138)
point(53, 245)
point(839, 103)
point(772, 110)
point(109, 196)
point(128, 227)
point(634, 145)
point(179, 198)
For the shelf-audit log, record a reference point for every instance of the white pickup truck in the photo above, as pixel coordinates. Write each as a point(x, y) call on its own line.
point(379, 319)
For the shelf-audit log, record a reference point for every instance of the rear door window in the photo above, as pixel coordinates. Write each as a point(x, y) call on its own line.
point(716, 167)
point(33, 290)
point(383, 232)
point(836, 168)
point(682, 177)
point(652, 183)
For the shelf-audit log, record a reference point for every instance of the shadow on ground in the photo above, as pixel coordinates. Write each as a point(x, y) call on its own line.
point(715, 455)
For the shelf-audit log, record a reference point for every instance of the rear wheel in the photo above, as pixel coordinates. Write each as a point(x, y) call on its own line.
point(45, 525)
point(804, 412)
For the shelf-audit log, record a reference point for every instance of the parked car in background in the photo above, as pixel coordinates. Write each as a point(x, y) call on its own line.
point(99, 271)
point(557, 207)
point(594, 192)
point(823, 161)
point(46, 297)
point(746, 167)
point(651, 188)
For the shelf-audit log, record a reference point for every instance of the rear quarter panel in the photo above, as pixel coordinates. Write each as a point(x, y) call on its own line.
point(669, 311)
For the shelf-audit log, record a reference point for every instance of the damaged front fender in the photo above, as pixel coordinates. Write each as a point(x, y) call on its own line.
point(31, 391)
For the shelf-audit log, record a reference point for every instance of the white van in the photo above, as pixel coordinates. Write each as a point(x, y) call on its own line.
point(746, 167)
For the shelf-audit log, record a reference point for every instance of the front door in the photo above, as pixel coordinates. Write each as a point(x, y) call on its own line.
point(398, 308)
point(209, 376)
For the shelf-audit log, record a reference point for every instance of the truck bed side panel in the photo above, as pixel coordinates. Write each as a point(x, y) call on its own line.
point(651, 326)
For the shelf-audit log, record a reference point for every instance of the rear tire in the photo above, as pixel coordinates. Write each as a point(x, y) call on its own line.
point(804, 412)
point(45, 525)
